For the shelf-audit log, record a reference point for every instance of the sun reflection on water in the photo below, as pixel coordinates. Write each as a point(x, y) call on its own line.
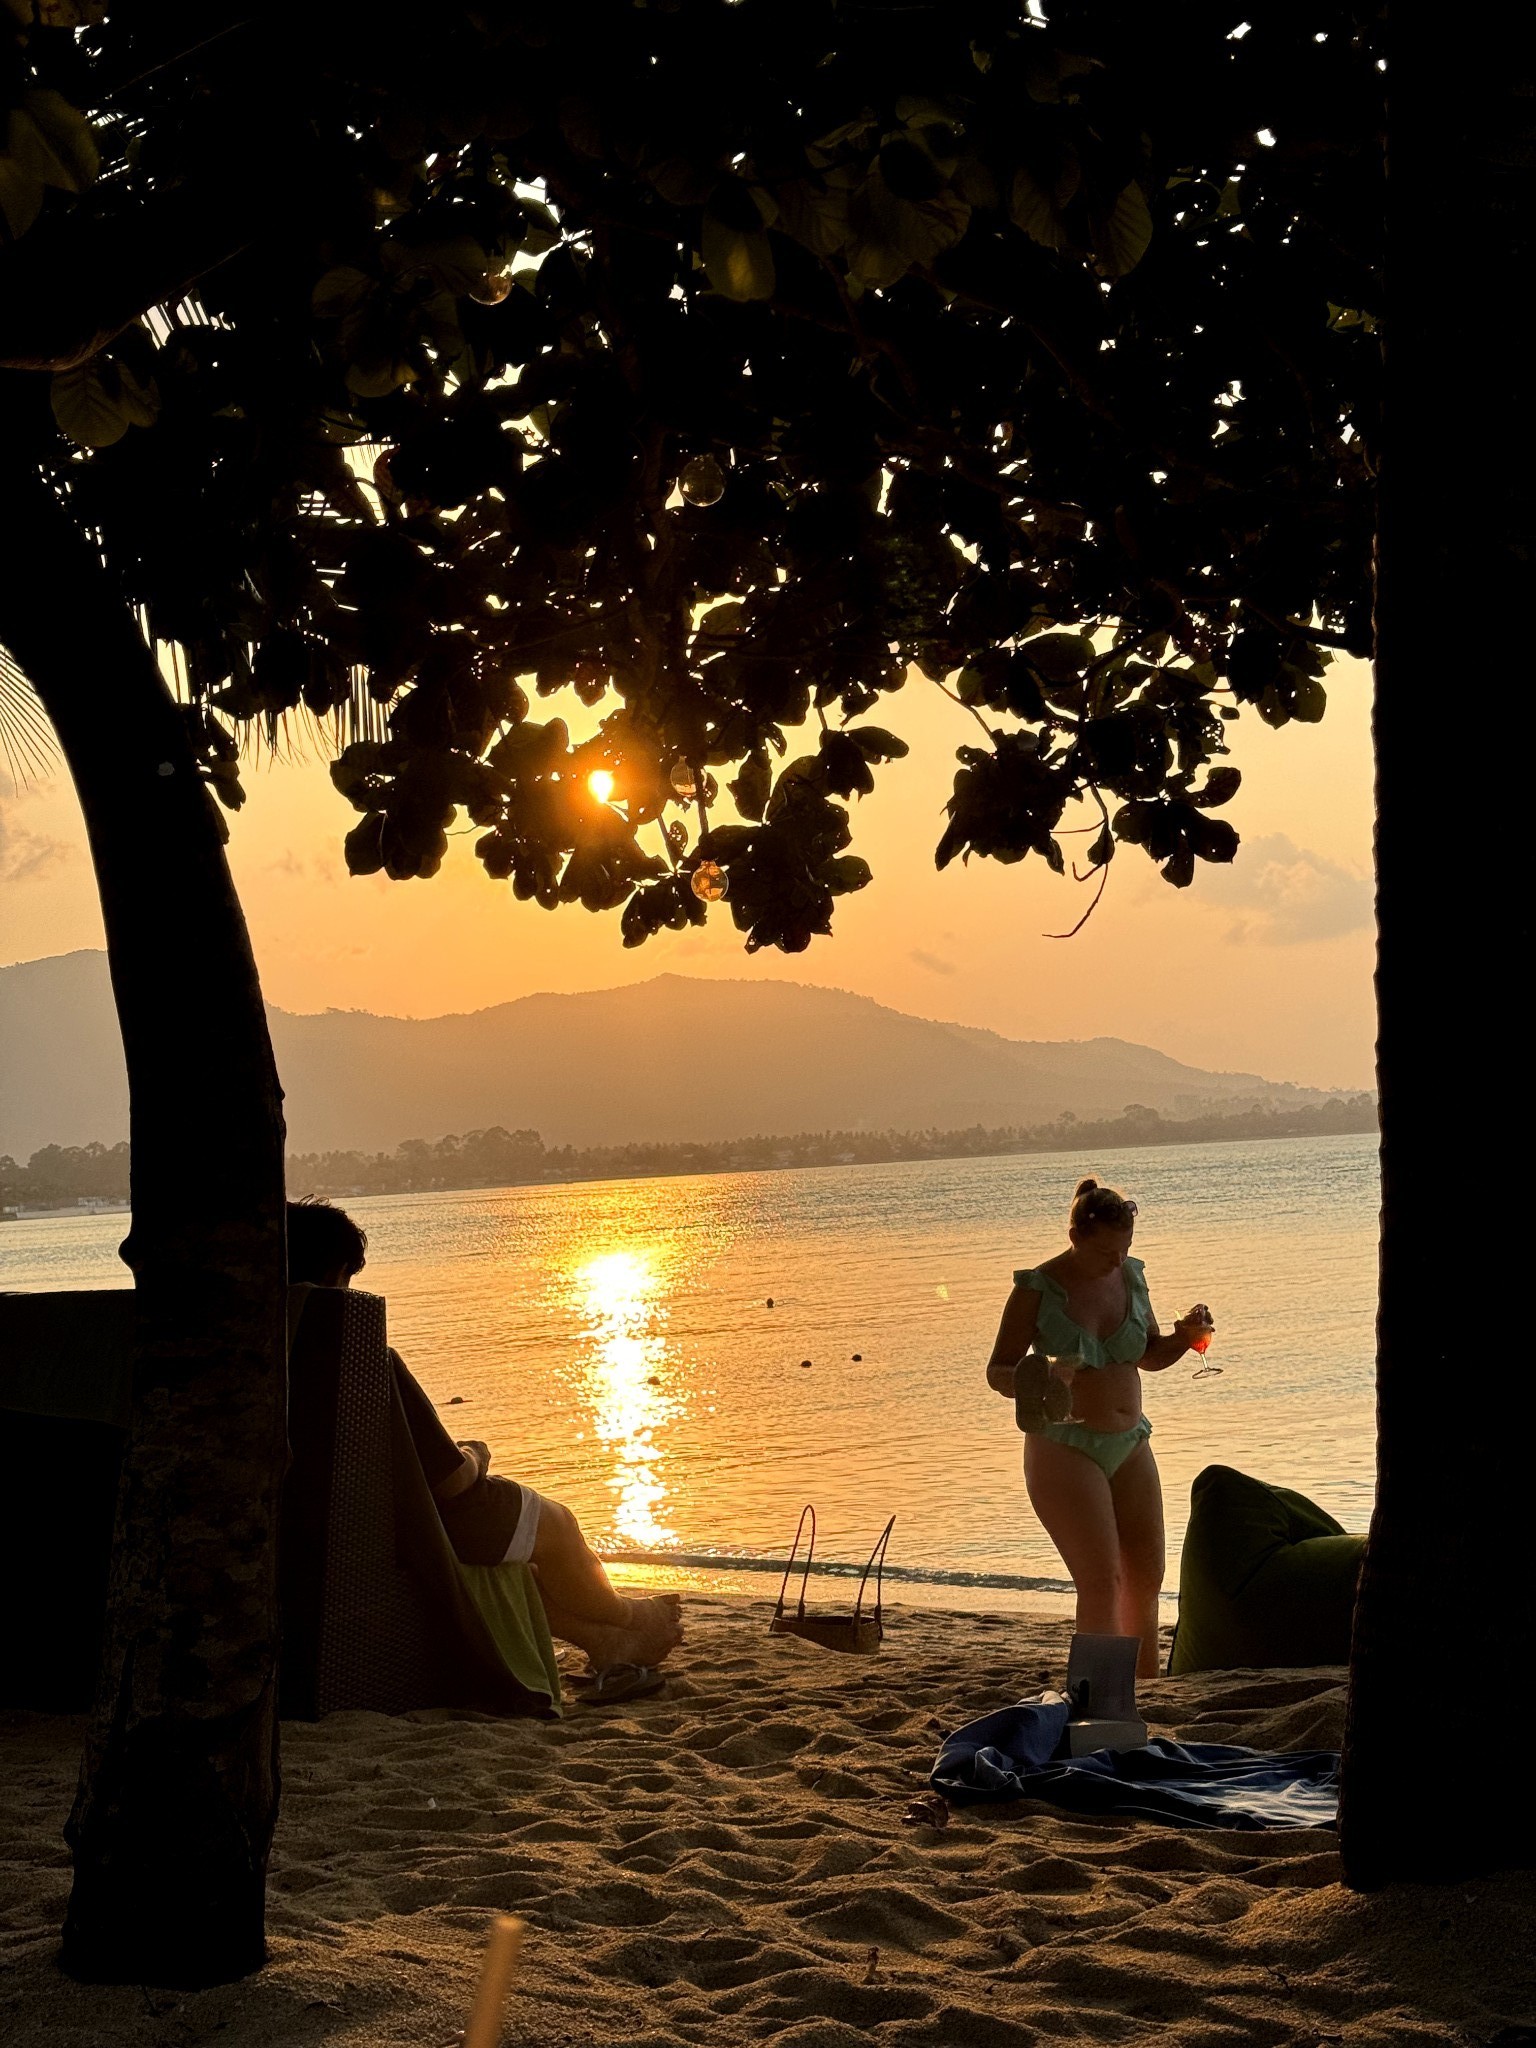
point(625, 1353)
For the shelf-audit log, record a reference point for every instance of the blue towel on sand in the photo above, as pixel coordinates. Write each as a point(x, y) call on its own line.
point(1012, 1755)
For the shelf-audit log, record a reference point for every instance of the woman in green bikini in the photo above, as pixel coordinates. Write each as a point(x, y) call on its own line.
point(1075, 1338)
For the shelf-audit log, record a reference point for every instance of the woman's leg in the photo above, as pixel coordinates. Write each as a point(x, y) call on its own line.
point(1138, 1507)
point(1072, 1497)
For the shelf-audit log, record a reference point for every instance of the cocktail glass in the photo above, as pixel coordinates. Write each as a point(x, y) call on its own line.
point(1202, 1344)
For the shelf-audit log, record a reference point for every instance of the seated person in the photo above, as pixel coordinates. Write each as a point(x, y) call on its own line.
point(488, 1519)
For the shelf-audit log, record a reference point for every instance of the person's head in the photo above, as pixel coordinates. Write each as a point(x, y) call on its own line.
point(325, 1246)
point(1101, 1225)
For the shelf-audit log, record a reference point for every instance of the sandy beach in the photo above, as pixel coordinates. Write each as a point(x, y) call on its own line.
point(728, 1862)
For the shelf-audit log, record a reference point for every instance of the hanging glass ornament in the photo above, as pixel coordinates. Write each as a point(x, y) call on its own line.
point(702, 481)
point(493, 287)
point(683, 780)
point(709, 882)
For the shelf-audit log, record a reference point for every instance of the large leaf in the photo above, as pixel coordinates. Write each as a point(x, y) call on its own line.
point(1121, 232)
point(1309, 700)
point(363, 846)
point(876, 744)
point(890, 233)
point(846, 873)
point(738, 262)
point(1032, 208)
point(56, 140)
point(751, 787)
point(92, 406)
point(1221, 785)
point(339, 292)
point(460, 265)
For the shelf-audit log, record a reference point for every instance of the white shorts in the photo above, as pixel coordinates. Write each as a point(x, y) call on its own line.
point(525, 1535)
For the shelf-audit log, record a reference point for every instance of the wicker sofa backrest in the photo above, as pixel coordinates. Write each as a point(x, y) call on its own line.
point(356, 1632)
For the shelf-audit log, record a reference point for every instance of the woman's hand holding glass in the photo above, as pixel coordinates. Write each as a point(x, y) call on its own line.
point(1196, 1330)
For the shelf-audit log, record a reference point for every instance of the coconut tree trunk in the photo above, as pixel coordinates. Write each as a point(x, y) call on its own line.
point(178, 1790)
point(1447, 1611)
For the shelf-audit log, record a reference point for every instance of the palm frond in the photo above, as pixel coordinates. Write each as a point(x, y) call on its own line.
point(26, 738)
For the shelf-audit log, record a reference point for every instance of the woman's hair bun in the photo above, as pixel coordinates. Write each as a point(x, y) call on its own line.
point(1096, 1207)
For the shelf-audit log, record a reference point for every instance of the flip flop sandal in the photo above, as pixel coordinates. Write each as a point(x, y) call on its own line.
point(1039, 1397)
point(616, 1682)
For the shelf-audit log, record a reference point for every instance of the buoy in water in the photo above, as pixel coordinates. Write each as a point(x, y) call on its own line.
point(858, 1358)
point(805, 1365)
point(769, 1302)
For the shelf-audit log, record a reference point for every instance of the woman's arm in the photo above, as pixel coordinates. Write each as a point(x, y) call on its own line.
point(1015, 1334)
point(1161, 1351)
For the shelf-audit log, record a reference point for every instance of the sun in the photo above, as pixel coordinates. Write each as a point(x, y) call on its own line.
point(600, 782)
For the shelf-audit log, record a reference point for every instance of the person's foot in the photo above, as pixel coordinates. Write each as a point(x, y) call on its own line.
point(652, 1631)
point(657, 1622)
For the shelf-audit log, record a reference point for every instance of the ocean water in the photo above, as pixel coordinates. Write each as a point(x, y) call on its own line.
point(612, 1342)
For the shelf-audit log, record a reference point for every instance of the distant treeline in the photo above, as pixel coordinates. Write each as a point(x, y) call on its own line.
point(61, 1176)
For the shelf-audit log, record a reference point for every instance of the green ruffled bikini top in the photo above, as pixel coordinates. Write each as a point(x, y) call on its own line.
point(1057, 1335)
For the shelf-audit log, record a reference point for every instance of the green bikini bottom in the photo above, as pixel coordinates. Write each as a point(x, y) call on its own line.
point(1108, 1448)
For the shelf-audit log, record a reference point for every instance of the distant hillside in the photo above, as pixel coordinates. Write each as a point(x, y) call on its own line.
point(673, 1060)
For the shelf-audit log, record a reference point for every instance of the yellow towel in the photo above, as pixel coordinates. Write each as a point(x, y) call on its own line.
point(507, 1597)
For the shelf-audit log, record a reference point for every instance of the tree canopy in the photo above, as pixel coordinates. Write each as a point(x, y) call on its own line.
point(730, 365)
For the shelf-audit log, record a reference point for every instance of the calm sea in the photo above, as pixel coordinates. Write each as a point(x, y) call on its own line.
point(613, 1342)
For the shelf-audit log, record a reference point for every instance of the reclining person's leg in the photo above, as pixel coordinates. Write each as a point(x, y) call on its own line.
point(581, 1602)
point(500, 1521)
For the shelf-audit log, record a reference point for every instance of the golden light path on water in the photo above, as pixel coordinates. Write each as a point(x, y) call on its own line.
point(623, 1354)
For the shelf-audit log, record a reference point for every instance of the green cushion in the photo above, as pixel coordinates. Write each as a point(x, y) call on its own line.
point(1266, 1580)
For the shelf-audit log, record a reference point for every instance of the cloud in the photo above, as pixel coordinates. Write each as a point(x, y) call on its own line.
point(1286, 894)
point(932, 962)
point(27, 856)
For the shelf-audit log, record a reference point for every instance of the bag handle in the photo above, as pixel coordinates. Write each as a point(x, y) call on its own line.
point(806, 1512)
point(877, 1566)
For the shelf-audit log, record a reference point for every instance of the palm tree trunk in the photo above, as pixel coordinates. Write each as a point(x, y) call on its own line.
point(1446, 1610)
point(178, 1789)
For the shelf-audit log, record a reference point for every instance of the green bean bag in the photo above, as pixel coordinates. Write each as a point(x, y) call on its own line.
point(1266, 1579)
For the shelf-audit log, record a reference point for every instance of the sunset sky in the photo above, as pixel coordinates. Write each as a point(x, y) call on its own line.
point(1264, 966)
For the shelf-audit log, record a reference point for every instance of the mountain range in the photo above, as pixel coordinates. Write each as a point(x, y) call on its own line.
point(674, 1058)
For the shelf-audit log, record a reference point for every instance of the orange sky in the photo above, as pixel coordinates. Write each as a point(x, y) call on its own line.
point(1265, 966)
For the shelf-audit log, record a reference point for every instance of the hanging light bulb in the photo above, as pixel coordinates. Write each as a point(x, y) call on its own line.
point(702, 481)
point(493, 287)
point(709, 882)
point(683, 780)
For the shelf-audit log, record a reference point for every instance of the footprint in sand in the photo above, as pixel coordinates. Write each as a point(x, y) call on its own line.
point(885, 1916)
point(1049, 1874)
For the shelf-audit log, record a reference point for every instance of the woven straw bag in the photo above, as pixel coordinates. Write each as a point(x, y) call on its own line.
point(857, 1634)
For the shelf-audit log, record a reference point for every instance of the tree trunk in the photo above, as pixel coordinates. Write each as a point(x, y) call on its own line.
point(1448, 1562)
point(178, 1791)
